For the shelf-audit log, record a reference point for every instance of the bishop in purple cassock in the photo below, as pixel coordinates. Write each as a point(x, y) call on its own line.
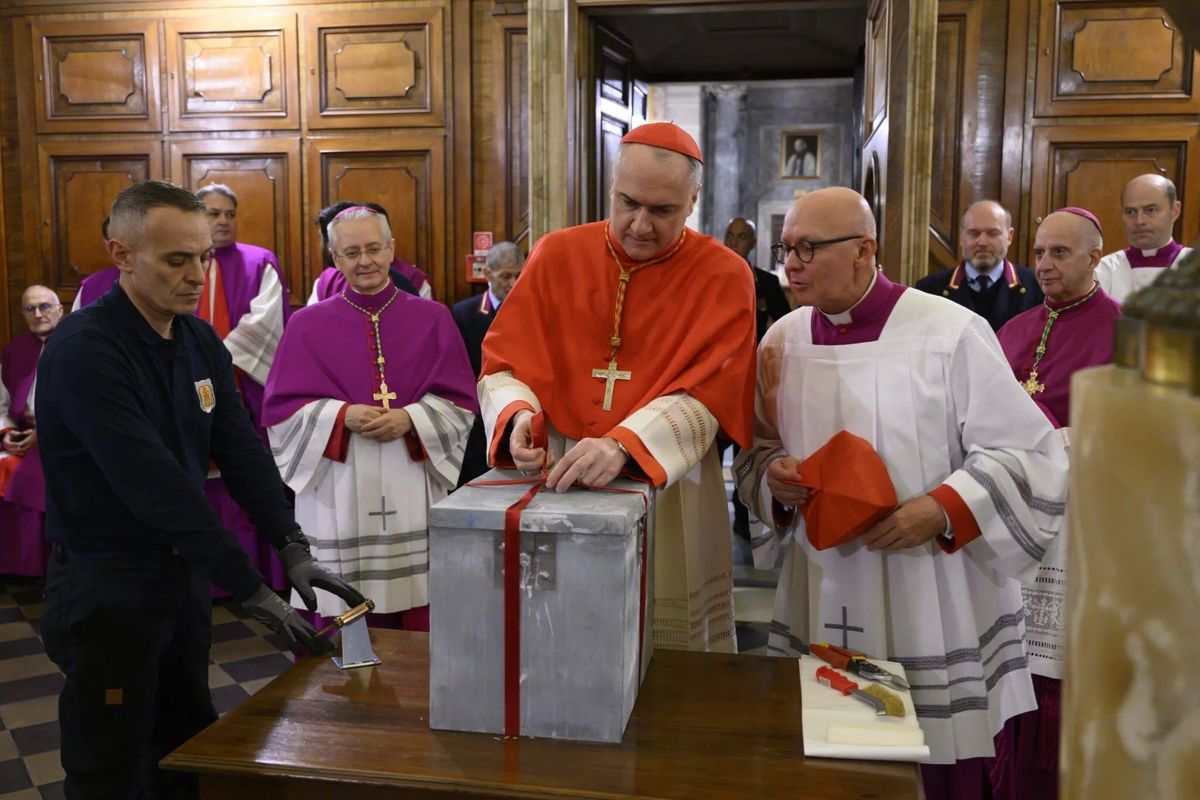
point(23, 547)
point(1073, 329)
point(368, 406)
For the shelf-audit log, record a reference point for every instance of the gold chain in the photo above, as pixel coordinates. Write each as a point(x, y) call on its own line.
point(1031, 384)
point(374, 322)
point(626, 273)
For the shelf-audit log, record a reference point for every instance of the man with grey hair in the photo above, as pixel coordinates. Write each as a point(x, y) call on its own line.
point(1150, 207)
point(474, 317)
point(245, 300)
point(23, 549)
point(369, 405)
point(635, 339)
point(985, 281)
point(135, 397)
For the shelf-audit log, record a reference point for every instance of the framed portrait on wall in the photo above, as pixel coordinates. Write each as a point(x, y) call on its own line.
point(800, 154)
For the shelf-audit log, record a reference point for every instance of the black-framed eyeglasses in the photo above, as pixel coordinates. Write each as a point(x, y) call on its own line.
point(805, 251)
point(45, 308)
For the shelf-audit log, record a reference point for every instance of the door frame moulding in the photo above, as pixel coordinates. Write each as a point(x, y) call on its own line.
point(560, 59)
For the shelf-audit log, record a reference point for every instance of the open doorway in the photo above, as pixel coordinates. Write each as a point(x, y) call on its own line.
point(583, 52)
point(772, 95)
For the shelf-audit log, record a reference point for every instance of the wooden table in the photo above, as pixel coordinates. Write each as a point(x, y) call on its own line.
point(705, 726)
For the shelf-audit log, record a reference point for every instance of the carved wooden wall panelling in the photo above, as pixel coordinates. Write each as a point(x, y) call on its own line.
point(78, 182)
point(375, 69)
point(99, 75)
point(237, 73)
point(1088, 166)
point(875, 117)
point(1097, 57)
point(969, 133)
point(511, 82)
point(401, 172)
point(265, 175)
point(875, 73)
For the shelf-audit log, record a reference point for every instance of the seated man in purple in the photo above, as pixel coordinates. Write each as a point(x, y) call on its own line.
point(405, 276)
point(94, 286)
point(1073, 329)
point(23, 548)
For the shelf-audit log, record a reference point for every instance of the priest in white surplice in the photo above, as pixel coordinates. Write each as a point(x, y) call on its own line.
point(979, 472)
point(1149, 208)
point(368, 407)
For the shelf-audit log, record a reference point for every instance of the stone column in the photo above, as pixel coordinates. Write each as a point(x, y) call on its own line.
point(724, 116)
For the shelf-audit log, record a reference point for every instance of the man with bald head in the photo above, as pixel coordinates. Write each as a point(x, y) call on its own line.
point(1071, 330)
point(1149, 208)
point(23, 549)
point(634, 338)
point(979, 474)
point(741, 237)
point(985, 281)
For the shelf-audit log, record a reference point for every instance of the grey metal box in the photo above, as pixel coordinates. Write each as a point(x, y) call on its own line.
point(581, 596)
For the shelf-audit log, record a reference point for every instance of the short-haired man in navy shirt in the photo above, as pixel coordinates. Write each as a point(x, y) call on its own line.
point(135, 397)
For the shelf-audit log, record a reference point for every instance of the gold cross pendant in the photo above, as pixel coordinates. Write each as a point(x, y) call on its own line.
point(384, 395)
point(610, 376)
point(1032, 386)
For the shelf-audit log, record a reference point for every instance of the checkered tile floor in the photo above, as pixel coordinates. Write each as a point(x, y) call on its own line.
point(244, 658)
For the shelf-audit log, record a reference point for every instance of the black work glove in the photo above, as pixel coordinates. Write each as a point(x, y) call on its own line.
point(305, 573)
point(266, 607)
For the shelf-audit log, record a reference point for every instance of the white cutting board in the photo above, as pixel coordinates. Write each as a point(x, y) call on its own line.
point(857, 731)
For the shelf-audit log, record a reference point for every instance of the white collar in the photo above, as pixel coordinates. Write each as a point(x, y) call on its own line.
point(844, 317)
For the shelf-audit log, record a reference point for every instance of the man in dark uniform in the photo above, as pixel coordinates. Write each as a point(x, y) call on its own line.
point(770, 305)
point(986, 281)
point(474, 316)
point(135, 396)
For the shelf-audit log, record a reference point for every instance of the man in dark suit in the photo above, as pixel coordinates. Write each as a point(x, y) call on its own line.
point(770, 305)
point(474, 316)
point(741, 237)
point(986, 281)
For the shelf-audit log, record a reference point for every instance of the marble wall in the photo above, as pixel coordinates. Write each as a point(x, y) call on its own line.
point(745, 125)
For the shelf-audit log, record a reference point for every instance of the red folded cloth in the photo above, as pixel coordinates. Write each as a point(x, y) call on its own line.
point(7, 467)
point(850, 490)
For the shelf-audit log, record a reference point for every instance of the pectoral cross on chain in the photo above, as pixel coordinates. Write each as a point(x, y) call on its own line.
point(1032, 386)
point(610, 376)
point(384, 395)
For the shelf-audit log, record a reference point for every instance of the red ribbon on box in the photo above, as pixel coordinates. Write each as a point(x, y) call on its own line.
point(512, 571)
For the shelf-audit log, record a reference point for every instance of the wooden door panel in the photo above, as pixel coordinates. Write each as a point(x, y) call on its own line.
point(615, 113)
point(1088, 166)
point(375, 69)
point(100, 75)
point(406, 174)
point(233, 75)
point(79, 181)
point(1096, 57)
point(875, 71)
point(265, 175)
point(511, 81)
